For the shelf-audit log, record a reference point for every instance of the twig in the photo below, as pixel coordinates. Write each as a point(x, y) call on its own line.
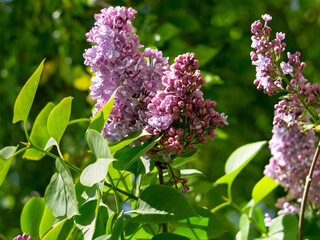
point(306, 190)
point(161, 180)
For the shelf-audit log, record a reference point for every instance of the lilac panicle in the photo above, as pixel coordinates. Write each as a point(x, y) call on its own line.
point(179, 110)
point(24, 236)
point(292, 153)
point(116, 61)
point(273, 75)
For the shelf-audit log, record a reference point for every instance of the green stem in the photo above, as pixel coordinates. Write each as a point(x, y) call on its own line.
point(3, 237)
point(79, 120)
point(121, 191)
point(115, 193)
point(26, 131)
point(222, 205)
point(20, 151)
point(161, 180)
point(76, 169)
point(306, 191)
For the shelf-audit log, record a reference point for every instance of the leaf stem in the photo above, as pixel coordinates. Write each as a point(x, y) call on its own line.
point(161, 180)
point(26, 131)
point(115, 193)
point(121, 191)
point(306, 191)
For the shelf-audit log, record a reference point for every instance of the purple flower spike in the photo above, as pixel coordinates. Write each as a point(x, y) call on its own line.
point(180, 112)
point(116, 61)
point(24, 236)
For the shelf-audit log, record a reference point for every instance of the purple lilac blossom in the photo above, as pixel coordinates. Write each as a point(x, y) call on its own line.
point(292, 153)
point(179, 111)
point(24, 236)
point(273, 75)
point(116, 61)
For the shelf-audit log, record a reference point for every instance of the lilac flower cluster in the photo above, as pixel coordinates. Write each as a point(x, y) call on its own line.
point(292, 149)
point(179, 110)
point(292, 153)
point(116, 61)
point(274, 76)
point(24, 236)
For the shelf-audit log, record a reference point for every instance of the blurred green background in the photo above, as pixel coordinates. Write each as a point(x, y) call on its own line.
point(217, 31)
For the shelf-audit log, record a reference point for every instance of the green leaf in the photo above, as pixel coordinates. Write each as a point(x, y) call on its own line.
point(303, 115)
point(244, 225)
point(130, 156)
point(204, 53)
point(307, 127)
point(169, 236)
point(85, 194)
point(95, 172)
point(284, 227)
point(188, 153)
point(39, 134)
point(55, 231)
point(87, 218)
point(117, 227)
point(60, 194)
point(31, 216)
point(47, 222)
point(126, 141)
point(59, 118)
point(259, 219)
point(101, 117)
point(238, 160)
point(167, 31)
point(26, 96)
point(263, 188)
point(98, 144)
point(211, 79)
point(5, 161)
point(205, 226)
point(159, 203)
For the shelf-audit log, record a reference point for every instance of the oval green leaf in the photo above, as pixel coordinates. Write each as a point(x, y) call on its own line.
point(159, 204)
point(205, 226)
point(58, 119)
point(244, 225)
point(101, 117)
point(31, 216)
point(26, 96)
point(39, 134)
point(47, 222)
point(263, 188)
point(95, 172)
point(284, 227)
point(98, 144)
point(238, 160)
point(55, 231)
point(60, 194)
point(5, 161)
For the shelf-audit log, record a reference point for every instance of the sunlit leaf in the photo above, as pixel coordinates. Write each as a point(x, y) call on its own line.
point(5, 161)
point(205, 226)
point(238, 160)
point(101, 117)
point(55, 231)
point(58, 119)
point(154, 207)
point(60, 194)
point(244, 226)
point(47, 221)
point(263, 188)
point(39, 134)
point(26, 96)
point(31, 216)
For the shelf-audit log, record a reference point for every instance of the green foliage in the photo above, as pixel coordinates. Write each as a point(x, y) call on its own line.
point(155, 208)
point(60, 195)
point(6, 157)
point(204, 226)
point(31, 216)
point(263, 188)
point(58, 119)
point(39, 135)
point(99, 120)
point(169, 236)
point(26, 96)
point(238, 160)
point(47, 222)
point(244, 226)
